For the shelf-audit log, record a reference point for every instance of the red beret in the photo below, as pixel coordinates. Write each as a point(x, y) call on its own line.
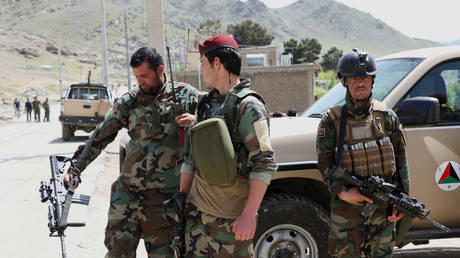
point(216, 42)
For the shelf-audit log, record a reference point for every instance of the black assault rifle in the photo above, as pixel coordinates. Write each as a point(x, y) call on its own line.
point(178, 204)
point(61, 196)
point(381, 192)
point(60, 199)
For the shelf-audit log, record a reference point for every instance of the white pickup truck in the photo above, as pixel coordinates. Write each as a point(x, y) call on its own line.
point(83, 108)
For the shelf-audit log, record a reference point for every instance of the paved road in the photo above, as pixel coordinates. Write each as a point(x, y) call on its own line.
point(24, 151)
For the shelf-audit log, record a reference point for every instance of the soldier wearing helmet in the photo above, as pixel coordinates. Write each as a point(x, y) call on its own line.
point(364, 138)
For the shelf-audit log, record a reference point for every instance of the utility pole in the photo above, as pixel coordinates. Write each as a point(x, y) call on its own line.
point(155, 26)
point(127, 48)
point(105, 63)
point(60, 64)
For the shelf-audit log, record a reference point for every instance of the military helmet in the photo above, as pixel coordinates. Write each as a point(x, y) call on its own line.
point(356, 64)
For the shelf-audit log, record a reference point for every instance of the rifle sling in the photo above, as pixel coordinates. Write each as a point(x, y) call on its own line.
point(343, 121)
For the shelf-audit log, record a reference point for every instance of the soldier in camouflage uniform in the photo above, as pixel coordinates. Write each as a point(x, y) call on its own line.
point(374, 144)
point(149, 173)
point(221, 220)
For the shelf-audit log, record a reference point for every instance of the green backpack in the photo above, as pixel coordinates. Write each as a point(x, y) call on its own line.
point(215, 144)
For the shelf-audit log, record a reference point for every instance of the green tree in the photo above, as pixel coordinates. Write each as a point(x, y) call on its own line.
point(207, 29)
point(304, 51)
point(293, 47)
point(250, 33)
point(331, 58)
point(312, 49)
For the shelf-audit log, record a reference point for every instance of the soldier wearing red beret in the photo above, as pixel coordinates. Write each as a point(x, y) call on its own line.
point(225, 193)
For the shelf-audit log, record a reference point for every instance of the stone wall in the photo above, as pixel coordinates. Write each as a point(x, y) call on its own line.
point(282, 87)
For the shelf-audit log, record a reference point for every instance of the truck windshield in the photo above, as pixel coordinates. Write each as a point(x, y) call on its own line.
point(389, 73)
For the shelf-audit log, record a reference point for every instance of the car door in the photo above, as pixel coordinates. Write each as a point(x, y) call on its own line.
point(434, 149)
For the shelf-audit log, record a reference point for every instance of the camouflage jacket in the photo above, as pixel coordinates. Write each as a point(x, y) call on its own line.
point(326, 143)
point(253, 131)
point(36, 105)
point(154, 147)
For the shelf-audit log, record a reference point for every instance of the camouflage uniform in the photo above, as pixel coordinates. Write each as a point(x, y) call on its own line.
point(209, 235)
point(36, 107)
point(148, 174)
point(46, 106)
point(349, 232)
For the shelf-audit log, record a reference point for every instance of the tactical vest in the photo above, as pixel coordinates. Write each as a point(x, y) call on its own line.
point(367, 150)
point(217, 150)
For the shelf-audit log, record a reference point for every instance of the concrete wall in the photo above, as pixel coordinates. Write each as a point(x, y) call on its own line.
point(283, 87)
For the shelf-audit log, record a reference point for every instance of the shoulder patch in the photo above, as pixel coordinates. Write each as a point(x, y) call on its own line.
point(321, 132)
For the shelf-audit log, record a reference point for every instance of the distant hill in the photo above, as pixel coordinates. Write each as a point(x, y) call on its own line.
point(451, 43)
point(79, 23)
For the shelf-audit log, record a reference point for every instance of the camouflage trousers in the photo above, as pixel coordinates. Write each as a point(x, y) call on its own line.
point(210, 236)
point(135, 214)
point(350, 234)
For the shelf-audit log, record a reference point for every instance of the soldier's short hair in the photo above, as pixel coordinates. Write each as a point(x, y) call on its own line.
point(148, 54)
point(229, 57)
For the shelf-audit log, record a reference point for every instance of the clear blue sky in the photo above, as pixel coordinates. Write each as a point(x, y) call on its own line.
point(435, 20)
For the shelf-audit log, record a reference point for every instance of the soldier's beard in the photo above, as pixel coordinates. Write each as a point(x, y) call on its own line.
point(155, 86)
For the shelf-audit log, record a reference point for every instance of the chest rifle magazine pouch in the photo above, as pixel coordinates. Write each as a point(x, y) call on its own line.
point(388, 157)
point(346, 161)
point(213, 152)
point(374, 162)
point(358, 154)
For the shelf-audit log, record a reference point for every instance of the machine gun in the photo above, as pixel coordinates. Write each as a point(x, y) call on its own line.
point(178, 204)
point(60, 199)
point(381, 192)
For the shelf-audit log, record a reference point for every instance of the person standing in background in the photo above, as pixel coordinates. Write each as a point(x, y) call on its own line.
point(46, 107)
point(17, 108)
point(36, 107)
point(28, 109)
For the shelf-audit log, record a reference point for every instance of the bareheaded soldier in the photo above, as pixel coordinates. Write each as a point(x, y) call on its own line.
point(372, 143)
point(231, 160)
point(149, 173)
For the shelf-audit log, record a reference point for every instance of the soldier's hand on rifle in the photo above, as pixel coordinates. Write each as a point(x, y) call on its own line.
point(353, 196)
point(185, 119)
point(393, 217)
point(244, 227)
point(68, 177)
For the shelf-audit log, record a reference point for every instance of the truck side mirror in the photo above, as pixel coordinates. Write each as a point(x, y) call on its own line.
point(418, 111)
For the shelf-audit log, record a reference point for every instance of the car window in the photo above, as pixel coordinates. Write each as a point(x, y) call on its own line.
point(73, 93)
point(389, 73)
point(93, 94)
point(83, 93)
point(443, 83)
point(104, 94)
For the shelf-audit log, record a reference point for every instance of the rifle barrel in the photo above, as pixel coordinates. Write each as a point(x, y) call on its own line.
point(171, 73)
point(437, 224)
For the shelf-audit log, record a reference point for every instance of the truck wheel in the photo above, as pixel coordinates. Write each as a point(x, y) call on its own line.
point(66, 132)
point(291, 226)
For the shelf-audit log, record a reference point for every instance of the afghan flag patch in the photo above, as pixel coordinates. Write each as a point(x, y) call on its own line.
point(321, 132)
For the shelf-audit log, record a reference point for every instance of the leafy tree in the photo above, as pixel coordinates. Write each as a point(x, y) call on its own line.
point(250, 33)
point(312, 49)
point(207, 29)
point(296, 50)
point(331, 58)
point(303, 51)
